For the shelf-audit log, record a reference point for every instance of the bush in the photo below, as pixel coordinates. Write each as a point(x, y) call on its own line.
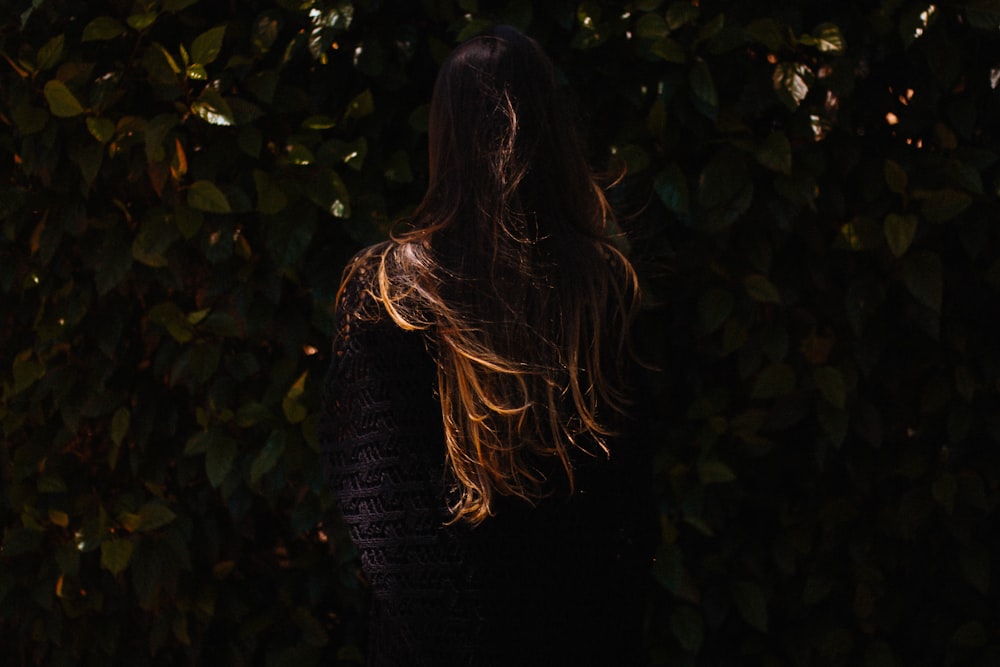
point(812, 192)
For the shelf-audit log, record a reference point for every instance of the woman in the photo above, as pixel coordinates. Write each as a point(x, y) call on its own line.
point(476, 427)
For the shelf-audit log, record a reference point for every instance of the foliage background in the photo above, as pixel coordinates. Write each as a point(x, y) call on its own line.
point(813, 197)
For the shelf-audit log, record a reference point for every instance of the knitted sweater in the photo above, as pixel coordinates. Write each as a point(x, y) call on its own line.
point(560, 583)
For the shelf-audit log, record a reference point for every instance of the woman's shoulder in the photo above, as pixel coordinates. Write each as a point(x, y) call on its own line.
point(376, 286)
point(362, 267)
point(356, 297)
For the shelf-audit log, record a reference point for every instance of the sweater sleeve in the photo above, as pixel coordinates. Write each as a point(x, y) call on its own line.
point(382, 445)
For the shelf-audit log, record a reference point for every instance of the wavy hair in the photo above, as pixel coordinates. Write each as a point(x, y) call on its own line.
point(510, 266)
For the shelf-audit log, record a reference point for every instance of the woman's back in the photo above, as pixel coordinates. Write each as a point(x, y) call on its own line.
point(557, 583)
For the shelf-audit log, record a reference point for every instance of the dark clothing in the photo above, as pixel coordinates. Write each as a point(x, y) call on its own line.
point(561, 583)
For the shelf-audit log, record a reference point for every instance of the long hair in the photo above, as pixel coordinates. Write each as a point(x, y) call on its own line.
point(509, 264)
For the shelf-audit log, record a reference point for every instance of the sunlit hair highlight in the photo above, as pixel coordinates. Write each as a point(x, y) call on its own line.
point(509, 264)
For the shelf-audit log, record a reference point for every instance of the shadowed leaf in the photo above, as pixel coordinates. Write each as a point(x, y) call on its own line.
point(922, 275)
point(205, 196)
point(115, 555)
point(792, 82)
point(206, 46)
point(900, 231)
point(62, 102)
point(103, 28)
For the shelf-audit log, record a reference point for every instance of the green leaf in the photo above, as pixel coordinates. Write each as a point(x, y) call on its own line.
point(156, 234)
point(113, 259)
point(941, 205)
point(29, 119)
point(687, 625)
point(262, 85)
point(715, 472)
point(703, 85)
point(101, 129)
point(115, 555)
point(142, 20)
point(51, 482)
point(714, 308)
point(287, 243)
point(352, 153)
point(725, 190)
point(205, 196)
point(751, 604)
point(895, 176)
point(773, 381)
point(831, 385)
point(672, 188)
point(168, 58)
point(268, 457)
point(861, 234)
point(775, 153)
point(826, 37)
point(154, 515)
point(651, 26)
point(319, 122)
point(361, 106)
point(761, 289)
point(219, 458)
point(59, 518)
point(975, 560)
point(206, 47)
point(103, 28)
point(792, 82)
point(966, 176)
point(92, 532)
point(62, 102)
point(250, 141)
point(922, 275)
point(680, 13)
point(26, 371)
point(668, 50)
point(397, 168)
point(119, 425)
point(313, 631)
point(212, 108)
point(944, 490)
point(270, 198)
point(294, 411)
point(766, 32)
point(189, 221)
point(19, 541)
point(971, 635)
point(51, 52)
point(172, 318)
point(88, 158)
point(900, 231)
point(265, 33)
point(196, 72)
point(327, 190)
point(299, 154)
point(710, 28)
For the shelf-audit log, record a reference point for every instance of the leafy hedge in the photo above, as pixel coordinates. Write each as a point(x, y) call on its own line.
point(813, 196)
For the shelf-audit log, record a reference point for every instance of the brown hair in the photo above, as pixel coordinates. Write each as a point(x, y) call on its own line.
point(509, 264)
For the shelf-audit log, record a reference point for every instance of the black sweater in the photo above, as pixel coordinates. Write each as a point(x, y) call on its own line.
point(560, 583)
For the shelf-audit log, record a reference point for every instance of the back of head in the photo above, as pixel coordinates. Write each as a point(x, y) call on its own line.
point(508, 264)
point(503, 145)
